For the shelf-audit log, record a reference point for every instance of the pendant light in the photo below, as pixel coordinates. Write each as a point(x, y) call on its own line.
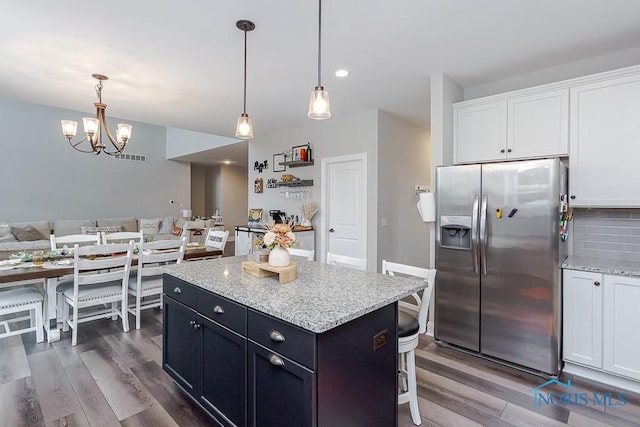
point(244, 128)
point(319, 107)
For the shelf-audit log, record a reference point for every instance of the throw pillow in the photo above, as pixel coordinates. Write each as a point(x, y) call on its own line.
point(8, 238)
point(149, 226)
point(166, 226)
point(5, 230)
point(26, 234)
point(96, 230)
point(177, 231)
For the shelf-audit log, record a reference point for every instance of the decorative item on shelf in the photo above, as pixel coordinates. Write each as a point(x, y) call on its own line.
point(255, 215)
point(257, 185)
point(244, 128)
point(93, 128)
point(259, 166)
point(288, 177)
point(272, 183)
point(278, 238)
point(319, 106)
point(308, 209)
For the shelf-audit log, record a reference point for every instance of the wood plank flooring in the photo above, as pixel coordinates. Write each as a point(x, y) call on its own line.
point(115, 379)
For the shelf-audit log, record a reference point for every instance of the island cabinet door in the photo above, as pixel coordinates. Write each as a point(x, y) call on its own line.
point(281, 392)
point(180, 344)
point(224, 373)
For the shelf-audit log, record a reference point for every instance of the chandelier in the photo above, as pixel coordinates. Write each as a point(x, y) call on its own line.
point(319, 106)
point(244, 127)
point(93, 128)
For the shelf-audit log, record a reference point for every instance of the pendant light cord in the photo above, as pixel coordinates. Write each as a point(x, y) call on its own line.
point(244, 107)
point(319, 39)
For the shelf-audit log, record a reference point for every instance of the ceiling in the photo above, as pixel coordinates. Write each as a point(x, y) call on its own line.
point(180, 64)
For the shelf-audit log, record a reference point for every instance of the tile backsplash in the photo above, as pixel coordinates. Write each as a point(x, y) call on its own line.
point(607, 233)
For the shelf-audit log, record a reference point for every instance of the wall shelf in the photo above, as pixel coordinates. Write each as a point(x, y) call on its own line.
point(297, 163)
point(296, 183)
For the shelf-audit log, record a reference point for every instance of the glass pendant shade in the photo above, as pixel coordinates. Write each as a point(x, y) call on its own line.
point(69, 128)
point(244, 128)
point(319, 106)
point(124, 132)
point(91, 125)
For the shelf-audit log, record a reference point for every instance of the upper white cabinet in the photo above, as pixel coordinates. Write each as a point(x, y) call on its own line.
point(605, 143)
point(622, 326)
point(516, 127)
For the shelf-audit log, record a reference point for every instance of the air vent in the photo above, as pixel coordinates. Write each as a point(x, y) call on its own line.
point(134, 157)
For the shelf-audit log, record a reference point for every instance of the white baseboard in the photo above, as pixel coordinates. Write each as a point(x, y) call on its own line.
point(430, 328)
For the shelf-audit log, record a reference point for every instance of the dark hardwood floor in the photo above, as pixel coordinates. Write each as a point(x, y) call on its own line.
point(113, 378)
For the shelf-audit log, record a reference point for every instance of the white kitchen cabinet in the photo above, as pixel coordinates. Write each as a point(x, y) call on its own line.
point(605, 142)
point(622, 325)
point(582, 317)
point(516, 127)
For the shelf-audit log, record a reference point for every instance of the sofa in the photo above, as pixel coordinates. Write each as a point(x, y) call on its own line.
point(33, 235)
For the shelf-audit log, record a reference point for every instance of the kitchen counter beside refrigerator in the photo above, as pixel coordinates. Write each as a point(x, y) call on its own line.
point(499, 250)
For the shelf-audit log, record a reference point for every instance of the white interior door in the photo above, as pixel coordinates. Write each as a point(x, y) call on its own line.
point(344, 201)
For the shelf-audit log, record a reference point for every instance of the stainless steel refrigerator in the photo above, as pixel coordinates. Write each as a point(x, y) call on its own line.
point(499, 249)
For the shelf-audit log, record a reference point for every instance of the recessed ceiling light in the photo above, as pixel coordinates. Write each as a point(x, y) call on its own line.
point(227, 162)
point(341, 73)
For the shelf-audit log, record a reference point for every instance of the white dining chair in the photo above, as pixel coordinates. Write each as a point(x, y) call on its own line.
point(100, 277)
point(122, 237)
point(58, 242)
point(147, 283)
point(22, 300)
point(412, 321)
point(305, 253)
point(347, 261)
point(216, 239)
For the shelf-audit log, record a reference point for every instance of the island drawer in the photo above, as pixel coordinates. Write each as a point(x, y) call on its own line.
point(179, 290)
point(224, 311)
point(282, 337)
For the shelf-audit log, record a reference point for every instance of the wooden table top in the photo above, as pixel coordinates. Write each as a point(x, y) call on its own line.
point(31, 273)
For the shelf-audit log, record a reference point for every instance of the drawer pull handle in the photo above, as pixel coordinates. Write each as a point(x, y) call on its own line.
point(596, 283)
point(218, 309)
point(194, 324)
point(177, 290)
point(275, 360)
point(276, 336)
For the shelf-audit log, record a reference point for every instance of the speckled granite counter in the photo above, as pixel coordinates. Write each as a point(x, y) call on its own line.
point(321, 298)
point(603, 265)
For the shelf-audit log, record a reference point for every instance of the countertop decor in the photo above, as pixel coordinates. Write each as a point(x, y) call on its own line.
point(321, 298)
point(603, 265)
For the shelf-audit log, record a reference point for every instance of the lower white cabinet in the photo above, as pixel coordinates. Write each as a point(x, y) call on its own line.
point(306, 240)
point(243, 242)
point(582, 317)
point(601, 322)
point(622, 325)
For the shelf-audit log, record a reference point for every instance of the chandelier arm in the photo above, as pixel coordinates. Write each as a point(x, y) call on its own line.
point(75, 146)
point(117, 146)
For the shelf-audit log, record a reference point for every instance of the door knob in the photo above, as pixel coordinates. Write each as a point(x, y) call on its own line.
point(331, 230)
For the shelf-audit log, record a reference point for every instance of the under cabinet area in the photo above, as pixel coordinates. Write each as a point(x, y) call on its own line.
point(601, 322)
point(516, 127)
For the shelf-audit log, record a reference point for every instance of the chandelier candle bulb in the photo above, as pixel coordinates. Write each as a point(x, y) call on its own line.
point(69, 128)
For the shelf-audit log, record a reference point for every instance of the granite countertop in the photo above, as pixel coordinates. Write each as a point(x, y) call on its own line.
point(321, 298)
point(603, 265)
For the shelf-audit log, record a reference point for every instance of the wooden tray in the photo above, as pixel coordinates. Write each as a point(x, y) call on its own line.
point(302, 228)
point(285, 274)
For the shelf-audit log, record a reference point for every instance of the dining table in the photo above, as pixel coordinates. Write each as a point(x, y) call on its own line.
point(48, 274)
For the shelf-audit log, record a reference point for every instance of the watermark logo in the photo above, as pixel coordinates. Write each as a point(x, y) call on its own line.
point(568, 397)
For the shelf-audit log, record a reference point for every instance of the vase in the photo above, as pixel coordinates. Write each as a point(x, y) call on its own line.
point(279, 257)
point(306, 223)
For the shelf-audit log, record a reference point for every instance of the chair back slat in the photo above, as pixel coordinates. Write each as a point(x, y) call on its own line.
point(423, 299)
point(112, 262)
point(72, 239)
point(347, 261)
point(306, 253)
point(155, 254)
point(122, 237)
point(216, 239)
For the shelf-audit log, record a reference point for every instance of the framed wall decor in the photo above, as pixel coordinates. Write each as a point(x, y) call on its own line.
point(277, 159)
point(257, 185)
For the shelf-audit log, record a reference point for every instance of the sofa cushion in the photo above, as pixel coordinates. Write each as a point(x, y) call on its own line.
point(42, 226)
point(26, 234)
point(166, 226)
point(5, 230)
point(96, 230)
point(8, 238)
point(64, 227)
point(149, 227)
point(125, 224)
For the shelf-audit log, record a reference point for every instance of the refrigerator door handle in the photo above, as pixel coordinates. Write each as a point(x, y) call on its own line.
point(474, 234)
point(483, 235)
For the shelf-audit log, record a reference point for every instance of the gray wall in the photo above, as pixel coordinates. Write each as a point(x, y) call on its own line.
point(198, 190)
point(403, 162)
point(233, 197)
point(607, 233)
point(44, 178)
